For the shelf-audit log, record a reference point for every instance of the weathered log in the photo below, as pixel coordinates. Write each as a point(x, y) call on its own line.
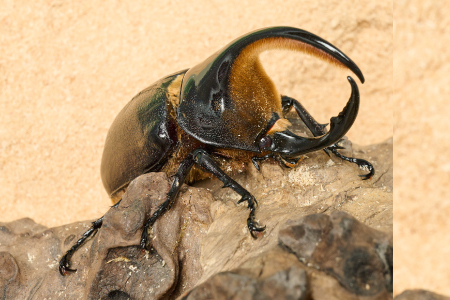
point(328, 234)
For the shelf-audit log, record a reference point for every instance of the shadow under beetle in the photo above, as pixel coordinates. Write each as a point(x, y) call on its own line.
point(224, 107)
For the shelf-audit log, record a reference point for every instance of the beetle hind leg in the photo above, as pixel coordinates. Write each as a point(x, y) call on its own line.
point(319, 129)
point(64, 263)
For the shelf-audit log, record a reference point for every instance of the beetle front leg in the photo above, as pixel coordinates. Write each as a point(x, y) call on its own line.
point(319, 129)
point(204, 160)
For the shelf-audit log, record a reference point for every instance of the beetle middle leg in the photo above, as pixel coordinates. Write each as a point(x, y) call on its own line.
point(319, 129)
point(204, 160)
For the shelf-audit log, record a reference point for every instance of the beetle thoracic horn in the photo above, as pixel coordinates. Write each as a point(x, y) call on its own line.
point(290, 145)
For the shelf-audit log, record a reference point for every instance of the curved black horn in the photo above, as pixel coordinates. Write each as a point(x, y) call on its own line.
point(290, 145)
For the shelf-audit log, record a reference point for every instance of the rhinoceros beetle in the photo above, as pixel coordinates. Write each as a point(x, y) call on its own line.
point(226, 106)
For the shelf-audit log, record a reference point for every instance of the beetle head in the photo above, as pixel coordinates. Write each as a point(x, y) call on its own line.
point(228, 101)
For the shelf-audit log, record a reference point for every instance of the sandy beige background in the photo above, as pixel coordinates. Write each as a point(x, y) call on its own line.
point(422, 145)
point(66, 70)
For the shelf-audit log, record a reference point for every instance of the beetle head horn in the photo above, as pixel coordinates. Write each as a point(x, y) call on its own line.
point(228, 100)
point(288, 145)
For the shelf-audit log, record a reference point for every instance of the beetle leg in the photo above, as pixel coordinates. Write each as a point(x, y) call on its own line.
point(289, 162)
point(315, 128)
point(255, 159)
point(204, 160)
point(178, 180)
point(284, 161)
point(64, 263)
point(362, 164)
point(319, 129)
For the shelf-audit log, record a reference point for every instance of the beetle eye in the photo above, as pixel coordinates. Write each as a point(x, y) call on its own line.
point(265, 143)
